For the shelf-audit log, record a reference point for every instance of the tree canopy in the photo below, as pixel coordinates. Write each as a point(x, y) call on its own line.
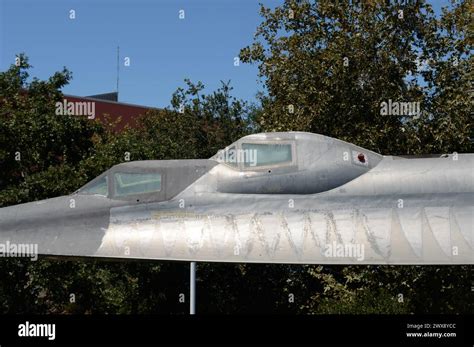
point(328, 66)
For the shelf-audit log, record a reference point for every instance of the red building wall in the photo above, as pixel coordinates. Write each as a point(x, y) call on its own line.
point(128, 112)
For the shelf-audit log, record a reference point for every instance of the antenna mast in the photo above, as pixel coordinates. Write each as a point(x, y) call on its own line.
point(118, 69)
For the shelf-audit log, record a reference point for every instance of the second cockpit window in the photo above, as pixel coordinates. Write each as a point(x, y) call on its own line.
point(263, 154)
point(127, 183)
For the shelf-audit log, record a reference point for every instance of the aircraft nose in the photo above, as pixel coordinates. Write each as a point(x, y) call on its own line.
point(7, 218)
point(67, 225)
point(30, 222)
point(28, 212)
point(14, 242)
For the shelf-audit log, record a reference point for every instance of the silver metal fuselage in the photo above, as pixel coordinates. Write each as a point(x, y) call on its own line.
point(323, 207)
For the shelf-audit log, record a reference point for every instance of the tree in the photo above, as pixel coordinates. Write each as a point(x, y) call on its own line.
point(328, 67)
point(219, 119)
point(39, 148)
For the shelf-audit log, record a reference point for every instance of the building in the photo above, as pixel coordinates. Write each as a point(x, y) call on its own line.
point(107, 104)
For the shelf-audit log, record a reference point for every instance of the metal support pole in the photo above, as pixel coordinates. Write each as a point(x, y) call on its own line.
point(192, 288)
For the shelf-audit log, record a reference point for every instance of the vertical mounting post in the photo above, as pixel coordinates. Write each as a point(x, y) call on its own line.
point(192, 288)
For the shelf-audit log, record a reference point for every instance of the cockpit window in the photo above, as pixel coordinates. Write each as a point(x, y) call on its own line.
point(266, 154)
point(99, 187)
point(127, 183)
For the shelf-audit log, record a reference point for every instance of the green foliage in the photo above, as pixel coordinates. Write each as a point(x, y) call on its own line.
point(33, 138)
point(328, 66)
point(219, 119)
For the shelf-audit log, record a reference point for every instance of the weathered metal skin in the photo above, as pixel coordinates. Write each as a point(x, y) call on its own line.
point(333, 203)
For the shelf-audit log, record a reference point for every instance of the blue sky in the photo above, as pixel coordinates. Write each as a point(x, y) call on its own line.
point(162, 48)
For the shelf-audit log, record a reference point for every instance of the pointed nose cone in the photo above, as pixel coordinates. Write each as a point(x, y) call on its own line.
point(7, 216)
point(68, 225)
point(32, 215)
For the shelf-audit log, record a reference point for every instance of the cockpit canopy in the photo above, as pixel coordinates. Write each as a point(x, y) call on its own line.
point(149, 180)
point(291, 163)
point(267, 163)
point(125, 183)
